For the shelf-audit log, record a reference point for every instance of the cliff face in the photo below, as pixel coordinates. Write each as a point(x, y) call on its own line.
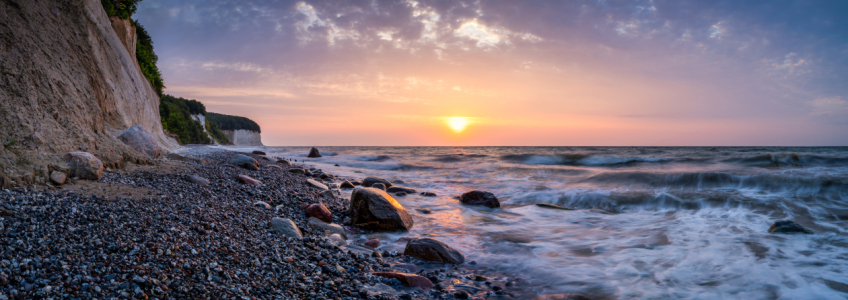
point(68, 83)
point(241, 137)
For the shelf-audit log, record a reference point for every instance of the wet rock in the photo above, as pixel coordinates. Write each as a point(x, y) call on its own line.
point(788, 226)
point(408, 279)
point(400, 194)
point(57, 177)
point(375, 210)
point(552, 206)
point(379, 186)
point(480, 198)
point(428, 194)
point(317, 184)
point(286, 227)
point(328, 194)
point(347, 185)
point(429, 249)
point(379, 289)
point(333, 228)
point(258, 152)
point(373, 243)
point(314, 153)
point(84, 165)
point(461, 295)
point(337, 240)
point(262, 204)
point(174, 156)
point(425, 210)
point(320, 212)
point(395, 189)
point(245, 161)
point(284, 162)
point(197, 180)
point(297, 171)
point(249, 181)
point(370, 180)
point(140, 140)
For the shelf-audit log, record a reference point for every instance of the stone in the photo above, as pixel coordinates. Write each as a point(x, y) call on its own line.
point(400, 194)
point(58, 177)
point(788, 226)
point(429, 249)
point(356, 182)
point(249, 181)
point(395, 189)
point(328, 194)
point(284, 162)
point(197, 180)
point(245, 161)
point(552, 206)
point(140, 140)
point(258, 152)
point(262, 204)
point(333, 228)
point(370, 180)
point(286, 227)
point(265, 158)
point(347, 185)
point(174, 156)
point(5, 181)
point(425, 210)
point(84, 165)
point(480, 198)
point(297, 171)
point(375, 210)
point(373, 243)
point(314, 153)
point(319, 211)
point(317, 184)
point(379, 186)
point(337, 240)
point(428, 194)
point(408, 279)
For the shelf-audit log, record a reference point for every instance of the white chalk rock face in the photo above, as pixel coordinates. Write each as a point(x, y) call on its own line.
point(241, 137)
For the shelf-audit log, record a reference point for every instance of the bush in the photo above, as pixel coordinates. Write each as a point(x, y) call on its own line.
point(147, 59)
point(123, 9)
point(227, 122)
point(176, 119)
point(216, 133)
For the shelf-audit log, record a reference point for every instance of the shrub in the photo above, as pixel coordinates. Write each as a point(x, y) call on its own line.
point(176, 119)
point(227, 122)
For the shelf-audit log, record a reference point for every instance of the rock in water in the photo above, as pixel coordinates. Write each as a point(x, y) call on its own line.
point(480, 198)
point(84, 165)
point(140, 140)
point(552, 206)
point(408, 279)
point(373, 243)
point(197, 180)
point(57, 177)
point(249, 181)
point(337, 240)
point(319, 211)
point(257, 152)
point(245, 161)
point(314, 153)
point(369, 181)
point(788, 226)
point(428, 194)
point(379, 186)
point(347, 185)
point(334, 228)
point(433, 250)
point(395, 189)
point(375, 210)
point(286, 227)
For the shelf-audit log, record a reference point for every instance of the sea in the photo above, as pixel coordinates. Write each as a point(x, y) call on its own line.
point(648, 222)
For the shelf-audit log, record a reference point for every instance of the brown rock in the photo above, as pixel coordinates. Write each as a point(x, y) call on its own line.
point(480, 198)
point(5, 181)
point(140, 140)
point(379, 186)
point(247, 180)
point(58, 177)
point(375, 210)
point(370, 180)
point(433, 250)
point(410, 280)
point(373, 243)
point(257, 152)
point(320, 212)
point(284, 162)
point(84, 165)
point(347, 185)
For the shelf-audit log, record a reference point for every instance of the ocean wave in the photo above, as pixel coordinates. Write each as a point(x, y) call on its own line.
point(389, 167)
point(375, 158)
point(620, 202)
point(451, 158)
point(579, 159)
point(790, 159)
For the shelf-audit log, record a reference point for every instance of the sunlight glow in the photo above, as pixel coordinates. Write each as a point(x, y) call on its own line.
point(458, 124)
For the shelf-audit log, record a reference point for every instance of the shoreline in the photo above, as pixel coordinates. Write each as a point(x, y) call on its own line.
point(145, 231)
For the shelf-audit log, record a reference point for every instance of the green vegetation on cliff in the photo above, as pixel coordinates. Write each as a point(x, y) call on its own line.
point(227, 122)
point(216, 133)
point(123, 9)
point(144, 54)
point(176, 119)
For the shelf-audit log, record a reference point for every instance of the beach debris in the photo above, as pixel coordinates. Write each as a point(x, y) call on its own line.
point(375, 210)
point(480, 198)
point(314, 153)
point(430, 249)
point(788, 226)
point(84, 165)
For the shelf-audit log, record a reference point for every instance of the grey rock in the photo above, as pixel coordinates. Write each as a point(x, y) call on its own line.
point(258, 152)
point(58, 177)
point(317, 184)
point(334, 228)
point(174, 156)
point(197, 180)
point(347, 185)
point(428, 194)
point(286, 227)
point(375, 210)
point(140, 140)
point(245, 161)
point(433, 250)
point(284, 162)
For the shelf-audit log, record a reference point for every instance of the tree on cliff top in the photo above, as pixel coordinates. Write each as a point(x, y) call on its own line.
point(123, 9)
point(227, 122)
point(144, 54)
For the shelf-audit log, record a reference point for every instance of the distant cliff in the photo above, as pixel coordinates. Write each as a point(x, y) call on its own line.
point(70, 82)
point(240, 131)
point(186, 118)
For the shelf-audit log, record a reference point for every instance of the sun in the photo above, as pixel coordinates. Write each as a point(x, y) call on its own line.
point(458, 124)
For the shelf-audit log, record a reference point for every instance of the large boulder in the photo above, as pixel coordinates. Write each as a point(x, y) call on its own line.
point(375, 210)
point(286, 227)
point(433, 250)
point(347, 185)
point(788, 226)
point(314, 153)
point(140, 140)
point(408, 279)
point(84, 165)
point(245, 161)
point(370, 180)
point(480, 198)
point(320, 212)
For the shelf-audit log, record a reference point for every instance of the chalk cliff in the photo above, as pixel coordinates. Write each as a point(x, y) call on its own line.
point(69, 82)
point(242, 137)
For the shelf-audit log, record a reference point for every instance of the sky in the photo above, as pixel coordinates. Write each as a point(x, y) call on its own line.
point(513, 73)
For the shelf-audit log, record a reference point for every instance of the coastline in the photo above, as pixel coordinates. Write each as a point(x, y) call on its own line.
point(145, 231)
